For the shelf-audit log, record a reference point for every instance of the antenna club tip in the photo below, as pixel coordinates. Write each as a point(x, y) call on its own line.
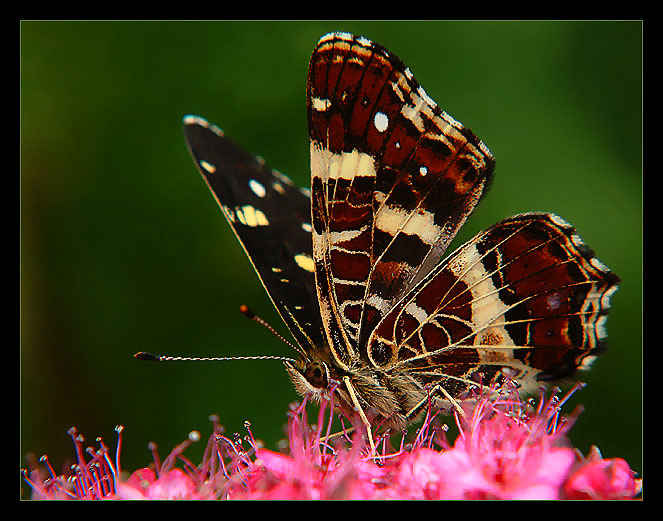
point(244, 310)
point(142, 355)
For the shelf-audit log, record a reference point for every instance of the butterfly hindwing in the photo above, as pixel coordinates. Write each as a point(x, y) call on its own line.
point(271, 218)
point(393, 179)
point(526, 295)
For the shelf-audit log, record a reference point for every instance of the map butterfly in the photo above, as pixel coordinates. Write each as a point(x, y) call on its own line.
point(356, 265)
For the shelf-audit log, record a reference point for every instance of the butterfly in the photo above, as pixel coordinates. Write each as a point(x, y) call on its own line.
point(356, 265)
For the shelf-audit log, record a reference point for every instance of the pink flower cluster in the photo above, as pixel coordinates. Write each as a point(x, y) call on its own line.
point(506, 449)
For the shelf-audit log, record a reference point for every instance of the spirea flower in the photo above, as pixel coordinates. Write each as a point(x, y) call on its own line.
point(506, 449)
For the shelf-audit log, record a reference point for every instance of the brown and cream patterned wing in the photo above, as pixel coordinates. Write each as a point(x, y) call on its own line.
point(525, 298)
point(393, 179)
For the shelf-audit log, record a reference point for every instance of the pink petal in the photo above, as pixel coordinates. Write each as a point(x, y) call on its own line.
point(280, 465)
point(554, 467)
point(603, 479)
point(175, 484)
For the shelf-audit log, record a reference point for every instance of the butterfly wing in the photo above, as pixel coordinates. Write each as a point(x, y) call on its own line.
point(526, 295)
point(393, 179)
point(271, 218)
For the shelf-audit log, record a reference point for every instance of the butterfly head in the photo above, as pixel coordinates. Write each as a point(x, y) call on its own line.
point(310, 377)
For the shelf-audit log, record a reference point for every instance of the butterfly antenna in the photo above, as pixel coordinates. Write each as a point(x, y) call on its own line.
point(143, 355)
point(244, 310)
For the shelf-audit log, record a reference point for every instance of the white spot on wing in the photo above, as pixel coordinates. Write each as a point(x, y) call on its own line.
point(257, 188)
point(195, 120)
point(587, 362)
point(346, 235)
point(577, 240)
point(417, 312)
point(378, 303)
point(345, 165)
point(598, 265)
point(282, 177)
point(562, 223)
point(605, 299)
point(394, 219)
point(320, 104)
point(381, 121)
point(364, 41)
point(427, 99)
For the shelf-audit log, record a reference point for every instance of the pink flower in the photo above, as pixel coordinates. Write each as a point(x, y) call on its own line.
point(597, 478)
point(506, 449)
point(144, 484)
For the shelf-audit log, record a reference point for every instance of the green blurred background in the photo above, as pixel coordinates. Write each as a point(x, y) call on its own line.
point(124, 249)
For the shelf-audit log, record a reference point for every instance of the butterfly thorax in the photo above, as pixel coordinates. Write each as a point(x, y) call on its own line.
point(393, 400)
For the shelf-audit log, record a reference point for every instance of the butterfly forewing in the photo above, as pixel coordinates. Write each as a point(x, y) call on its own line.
point(393, 179)
point(271, 218)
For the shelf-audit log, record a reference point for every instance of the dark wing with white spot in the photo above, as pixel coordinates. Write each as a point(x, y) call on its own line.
point(393, 179)
point(271, 218)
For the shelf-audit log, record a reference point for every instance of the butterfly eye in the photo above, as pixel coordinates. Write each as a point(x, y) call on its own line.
point(316, 374)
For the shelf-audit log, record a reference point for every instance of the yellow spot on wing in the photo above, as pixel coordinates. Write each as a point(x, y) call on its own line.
point(209, 167)
point(250, 216)
point(304, 262)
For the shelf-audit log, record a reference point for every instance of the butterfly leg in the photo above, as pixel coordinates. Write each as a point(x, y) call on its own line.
point(344, 432)
point(359, 409)
point(412, 413)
